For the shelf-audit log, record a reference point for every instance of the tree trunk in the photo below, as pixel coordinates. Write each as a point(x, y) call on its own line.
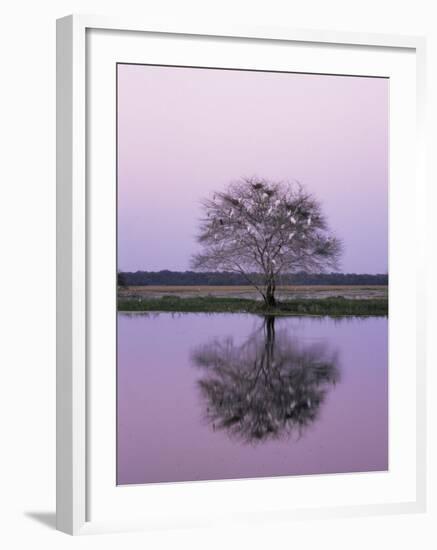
point(269, 297)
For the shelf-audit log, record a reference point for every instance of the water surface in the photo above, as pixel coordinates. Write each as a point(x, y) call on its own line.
point(228, 396)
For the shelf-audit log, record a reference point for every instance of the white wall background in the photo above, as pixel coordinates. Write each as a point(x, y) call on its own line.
point(27, 230)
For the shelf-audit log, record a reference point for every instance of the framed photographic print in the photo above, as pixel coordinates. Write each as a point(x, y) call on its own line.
point(234, 211)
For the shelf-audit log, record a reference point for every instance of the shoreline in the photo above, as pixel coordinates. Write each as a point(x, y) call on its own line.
point(321, 315)
point(333, 307)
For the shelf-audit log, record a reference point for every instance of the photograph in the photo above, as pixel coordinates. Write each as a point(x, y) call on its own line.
point(252, 273)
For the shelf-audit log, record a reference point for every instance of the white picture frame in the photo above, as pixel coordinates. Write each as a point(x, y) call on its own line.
point(74, 281)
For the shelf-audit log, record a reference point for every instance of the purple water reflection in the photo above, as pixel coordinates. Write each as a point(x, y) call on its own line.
point(191, 408)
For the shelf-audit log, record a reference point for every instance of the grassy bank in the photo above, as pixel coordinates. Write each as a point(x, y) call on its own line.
point(210, 304)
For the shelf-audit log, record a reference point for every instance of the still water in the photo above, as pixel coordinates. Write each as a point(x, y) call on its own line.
point(227, 396)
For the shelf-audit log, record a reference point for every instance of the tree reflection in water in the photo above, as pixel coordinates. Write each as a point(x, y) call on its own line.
point(269, 387)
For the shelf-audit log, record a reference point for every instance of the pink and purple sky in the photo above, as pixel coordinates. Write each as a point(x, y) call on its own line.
point(184, 133)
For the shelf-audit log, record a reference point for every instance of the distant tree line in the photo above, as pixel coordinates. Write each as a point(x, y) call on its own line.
point(223, 278)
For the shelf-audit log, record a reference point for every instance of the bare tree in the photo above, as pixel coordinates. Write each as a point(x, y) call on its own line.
point(261, 229)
